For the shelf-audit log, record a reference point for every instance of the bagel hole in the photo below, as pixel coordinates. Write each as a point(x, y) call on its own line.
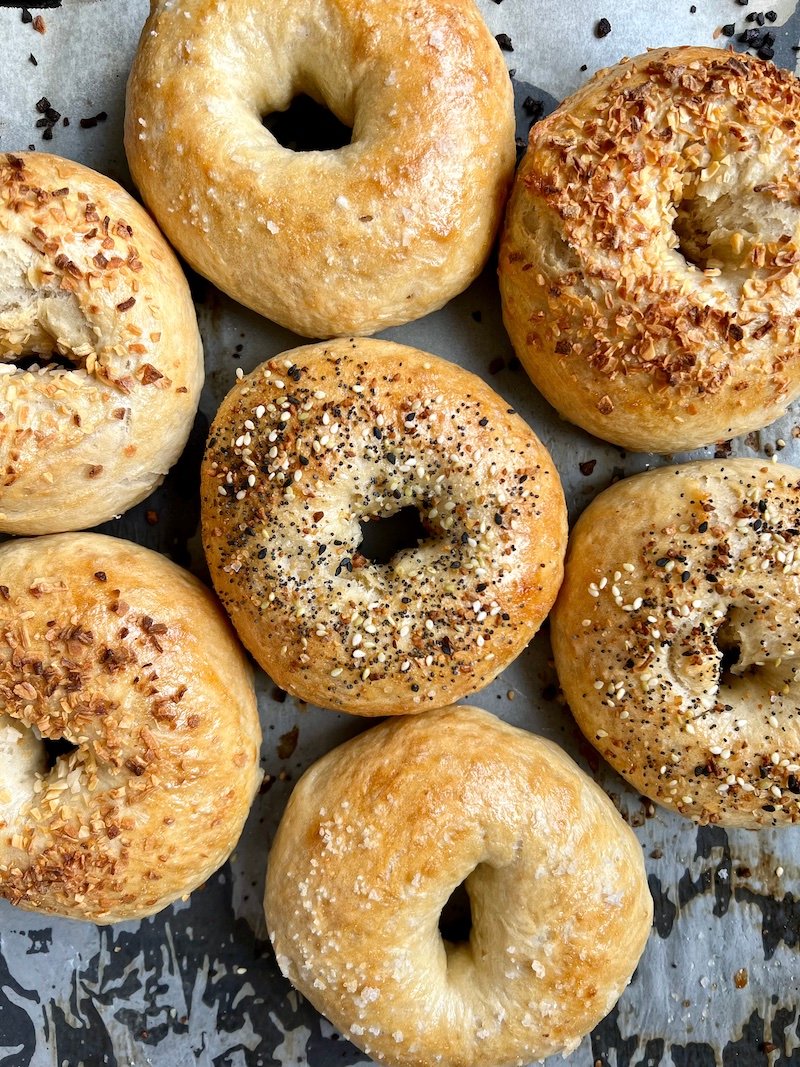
point(44, 361)
point(383, 538)
point(693, 237)
point(723, 231)
point(730, 652)
point(455, 922)
point(307, 126)
point(57, 749)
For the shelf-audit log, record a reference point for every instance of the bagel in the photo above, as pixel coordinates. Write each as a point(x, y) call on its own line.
point(115, 650)
point(676, 639)
point(101, 364)
point(328, 436)
point(650, 262)
point(380, 832)
point(326, 243)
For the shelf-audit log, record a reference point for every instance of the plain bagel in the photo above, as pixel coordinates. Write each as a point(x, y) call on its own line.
point(651, 256)
point(101, 363)
point(119, 653)
point(323, 438)
point(676, 637)
point(327, 243)
point(377, 836)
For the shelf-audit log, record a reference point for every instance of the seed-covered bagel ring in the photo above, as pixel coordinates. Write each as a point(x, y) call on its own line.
point(651, 257)
point(327, 243)
point(677, 633)
point(101, 364)
point(325, 437)
point(377, 836)
point(130, 660)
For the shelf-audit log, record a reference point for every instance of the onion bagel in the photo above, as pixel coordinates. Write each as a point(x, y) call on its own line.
point(323, 438)
point(676, 637)
point(129, 663)
point(651, 256)
point(377, 836)
point(101, 363)
point(326, 243)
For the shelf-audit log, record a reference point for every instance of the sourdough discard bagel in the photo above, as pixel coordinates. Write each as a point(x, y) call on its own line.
point(327, 243)
point(322, 438)
point(651, 255)
point(130, 660)
point(380, 832)
point(101, 364)
point(676, 637)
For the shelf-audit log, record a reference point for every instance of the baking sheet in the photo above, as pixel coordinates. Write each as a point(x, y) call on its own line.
point(719, 983)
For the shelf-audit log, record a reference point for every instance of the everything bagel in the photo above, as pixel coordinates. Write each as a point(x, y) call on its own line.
point(676, 637)
point(325, 437)
point(327, 243)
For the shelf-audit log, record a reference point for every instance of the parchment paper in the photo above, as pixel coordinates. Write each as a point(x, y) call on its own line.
point(720, 980)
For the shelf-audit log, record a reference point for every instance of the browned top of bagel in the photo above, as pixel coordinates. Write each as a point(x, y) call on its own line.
point(117, 651)
point(86, 277)
point(327, 243)
point(380, 832)
point(651, 260)
point(676, 637)
point(322, 438)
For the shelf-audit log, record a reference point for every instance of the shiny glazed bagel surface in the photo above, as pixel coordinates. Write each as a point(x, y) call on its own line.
point(651, 256)
point(676, 637)
point(323, 438)
point(101, 363)
point(379, 833)
point(326, 243)
point(114, 649)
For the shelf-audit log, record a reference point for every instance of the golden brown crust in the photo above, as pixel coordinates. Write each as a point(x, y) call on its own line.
point(85, 275)
point(621, 334)
point(332, 243)
point(324, 437)
point(123, 654)
point(379, 833)
point(676, 635)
